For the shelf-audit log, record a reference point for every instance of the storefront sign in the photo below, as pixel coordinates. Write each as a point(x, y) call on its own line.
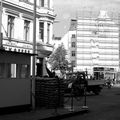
point(17, 45)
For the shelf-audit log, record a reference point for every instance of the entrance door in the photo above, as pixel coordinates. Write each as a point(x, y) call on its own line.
point(40, 67)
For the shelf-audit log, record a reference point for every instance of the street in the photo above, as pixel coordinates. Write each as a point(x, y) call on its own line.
point(105, 106)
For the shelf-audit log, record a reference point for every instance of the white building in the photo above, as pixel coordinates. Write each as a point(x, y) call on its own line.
point(56, 42)
point(93, 41)
point(17, 28)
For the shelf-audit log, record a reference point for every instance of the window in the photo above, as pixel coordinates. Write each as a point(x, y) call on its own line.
point(24, 71)
point(23, 0)
point(48, 32)
point(10, 70)
point(26, 0)
point(41, 31)
point(13, 70)
point(73, 53)
point(73, 35)
point(26, 30)
point(73, 44)
point(48, 2)
point(73, 63)
point(10, 29)
point(31, 1)
point(41, 3)
point(2, 70)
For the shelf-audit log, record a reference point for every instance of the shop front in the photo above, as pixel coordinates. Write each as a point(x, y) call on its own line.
point(103, 73)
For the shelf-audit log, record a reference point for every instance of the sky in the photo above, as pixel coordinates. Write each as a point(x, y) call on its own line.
point(68, 9)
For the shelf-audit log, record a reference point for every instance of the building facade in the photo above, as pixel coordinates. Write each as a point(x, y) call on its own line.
point(17, 28)
point(93, 42)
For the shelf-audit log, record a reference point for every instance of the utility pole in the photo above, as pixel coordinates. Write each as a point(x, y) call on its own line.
point(34, 51)
point(119, 39)
point(1, 46)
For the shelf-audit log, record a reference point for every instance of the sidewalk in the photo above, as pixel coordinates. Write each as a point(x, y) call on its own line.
point(45, 114)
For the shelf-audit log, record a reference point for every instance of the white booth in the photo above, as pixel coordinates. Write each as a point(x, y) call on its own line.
point(15, 83)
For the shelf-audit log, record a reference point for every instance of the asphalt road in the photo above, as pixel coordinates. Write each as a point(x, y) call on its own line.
point(105, 106)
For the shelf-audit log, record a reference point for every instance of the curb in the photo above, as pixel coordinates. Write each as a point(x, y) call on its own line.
point(66, 115)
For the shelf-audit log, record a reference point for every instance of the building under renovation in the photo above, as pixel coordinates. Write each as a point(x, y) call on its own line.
point(93, 43)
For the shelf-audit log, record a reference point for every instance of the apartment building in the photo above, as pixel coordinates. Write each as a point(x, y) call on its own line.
point(93, 42)
point(17, 28)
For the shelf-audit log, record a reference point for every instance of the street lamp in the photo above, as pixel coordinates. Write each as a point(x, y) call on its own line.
point(1, 46)
point(33, 62)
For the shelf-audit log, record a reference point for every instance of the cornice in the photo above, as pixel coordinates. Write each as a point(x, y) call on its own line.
point(20, 9)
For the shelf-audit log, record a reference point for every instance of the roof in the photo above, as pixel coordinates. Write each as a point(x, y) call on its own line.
point(102, 14)
point(97, 14)
point(15, 52)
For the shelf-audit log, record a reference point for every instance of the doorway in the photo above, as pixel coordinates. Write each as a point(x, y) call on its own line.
point(40, 67)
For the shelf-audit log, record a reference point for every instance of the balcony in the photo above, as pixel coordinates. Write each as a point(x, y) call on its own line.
point(44, 49)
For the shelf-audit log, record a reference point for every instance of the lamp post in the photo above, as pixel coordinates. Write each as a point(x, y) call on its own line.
point(33, 62)
point(1, 24)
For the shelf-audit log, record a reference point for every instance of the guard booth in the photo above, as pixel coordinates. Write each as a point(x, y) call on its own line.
point(15, 84)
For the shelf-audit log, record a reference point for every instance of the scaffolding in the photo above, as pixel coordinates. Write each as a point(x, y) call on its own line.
point(97, 40)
